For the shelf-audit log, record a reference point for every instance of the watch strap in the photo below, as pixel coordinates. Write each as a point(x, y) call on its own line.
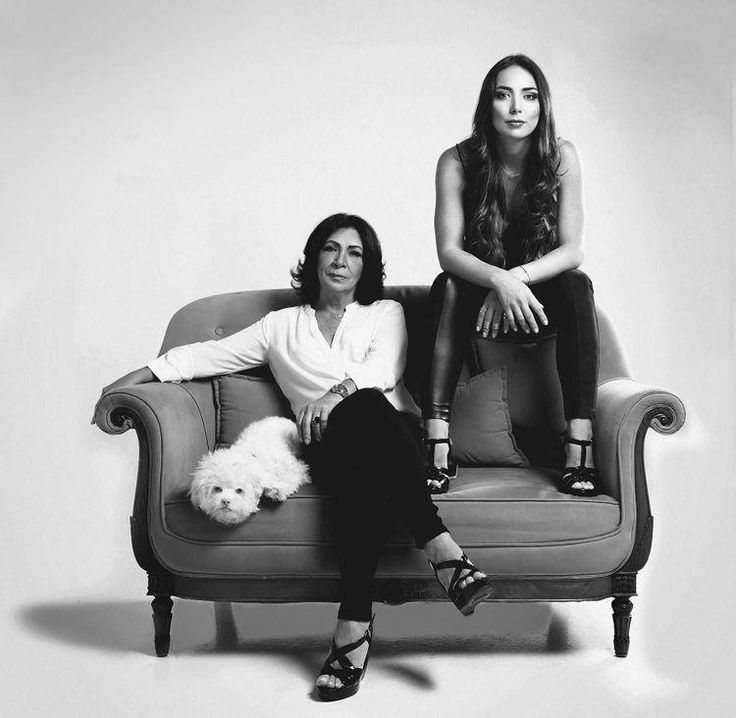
point(340, 389)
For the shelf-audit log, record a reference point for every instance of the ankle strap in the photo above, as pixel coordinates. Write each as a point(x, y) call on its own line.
point(579, 442)
point(583, 452)
point(434, 442)
point(340, 652)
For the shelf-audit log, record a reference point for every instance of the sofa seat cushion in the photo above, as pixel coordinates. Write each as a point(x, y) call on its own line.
point(484, 507)
point(513, 514)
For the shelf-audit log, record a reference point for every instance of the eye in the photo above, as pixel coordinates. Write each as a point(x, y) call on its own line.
point(356, 253)
point(217, 489)
point(531, 97)
point(328, 248)
point(501, 95)
point(238, 491)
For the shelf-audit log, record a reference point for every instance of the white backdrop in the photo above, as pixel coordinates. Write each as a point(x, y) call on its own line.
point(154, 152)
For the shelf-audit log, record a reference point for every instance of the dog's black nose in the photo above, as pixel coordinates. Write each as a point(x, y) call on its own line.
point(225, 502)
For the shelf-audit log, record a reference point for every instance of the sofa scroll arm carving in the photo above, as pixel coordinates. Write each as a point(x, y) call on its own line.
point(143, 406)
point(175, 425)
point(667, 418)
point(625, 405)
point(111, 417)
point(626, 411)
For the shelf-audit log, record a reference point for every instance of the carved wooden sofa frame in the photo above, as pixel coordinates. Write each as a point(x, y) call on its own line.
point(176, 424)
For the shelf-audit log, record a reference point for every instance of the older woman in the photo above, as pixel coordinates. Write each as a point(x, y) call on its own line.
point(338, 359)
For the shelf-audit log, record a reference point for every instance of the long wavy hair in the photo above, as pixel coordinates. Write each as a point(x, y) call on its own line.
point(538, 183)
point(369, 288)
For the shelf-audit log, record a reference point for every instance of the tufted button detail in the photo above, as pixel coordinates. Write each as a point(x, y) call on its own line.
point(219, 331)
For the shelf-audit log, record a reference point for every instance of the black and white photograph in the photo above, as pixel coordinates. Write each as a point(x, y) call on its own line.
point(367, 359)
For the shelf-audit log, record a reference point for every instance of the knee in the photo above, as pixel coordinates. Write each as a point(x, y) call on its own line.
point(364, 405)
point(445, 286)
point(576, 285)
point(371, 398)
point(577, 279)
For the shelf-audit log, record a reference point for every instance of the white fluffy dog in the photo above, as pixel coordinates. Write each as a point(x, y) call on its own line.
point(263, 461)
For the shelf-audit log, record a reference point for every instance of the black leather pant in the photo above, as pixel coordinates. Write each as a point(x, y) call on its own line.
point(369, 459)
point(570, 308)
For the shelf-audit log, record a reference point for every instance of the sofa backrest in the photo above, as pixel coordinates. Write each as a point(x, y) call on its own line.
point(533, 389)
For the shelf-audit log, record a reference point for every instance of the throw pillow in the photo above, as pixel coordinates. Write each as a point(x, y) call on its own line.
point(241, 400)
point(480, 428)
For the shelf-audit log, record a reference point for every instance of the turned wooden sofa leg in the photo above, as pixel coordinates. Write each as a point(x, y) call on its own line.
point(622, 607)
point(226, 632)
point(162, 606)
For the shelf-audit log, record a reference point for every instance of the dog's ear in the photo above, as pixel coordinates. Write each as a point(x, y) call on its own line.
point(202, 481)
point(198, 491)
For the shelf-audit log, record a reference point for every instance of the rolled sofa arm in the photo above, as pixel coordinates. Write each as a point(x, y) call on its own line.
point(625, 410)
point(175, 425)
point(177, 421)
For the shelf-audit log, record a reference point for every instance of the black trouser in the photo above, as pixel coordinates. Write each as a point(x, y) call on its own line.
point(369, 459)
point(570, 308)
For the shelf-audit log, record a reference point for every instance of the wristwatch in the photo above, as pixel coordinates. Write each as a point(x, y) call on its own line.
point(340, 389)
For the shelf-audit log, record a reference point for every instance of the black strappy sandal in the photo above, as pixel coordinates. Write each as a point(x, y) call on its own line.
point(349, 675)
point(574, 474)
point(439, 473)
point(467, 598)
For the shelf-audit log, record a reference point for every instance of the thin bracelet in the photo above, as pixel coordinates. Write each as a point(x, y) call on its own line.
point(523, 269)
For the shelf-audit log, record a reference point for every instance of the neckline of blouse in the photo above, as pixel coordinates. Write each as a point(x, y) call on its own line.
point(309, 309)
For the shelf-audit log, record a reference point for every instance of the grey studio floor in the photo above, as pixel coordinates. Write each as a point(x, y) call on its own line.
point(94, 657)
point(89, 653)
point(77, 636)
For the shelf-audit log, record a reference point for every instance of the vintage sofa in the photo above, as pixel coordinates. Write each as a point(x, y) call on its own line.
point(538, 544)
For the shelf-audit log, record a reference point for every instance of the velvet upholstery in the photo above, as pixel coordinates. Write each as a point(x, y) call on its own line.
point(241, 400)
point(538, 543)
point(481, 430)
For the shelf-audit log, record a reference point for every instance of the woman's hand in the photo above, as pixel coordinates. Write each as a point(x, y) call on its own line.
point(312, 418)
point(490, 316)
point(512, 304)
point(140, 376)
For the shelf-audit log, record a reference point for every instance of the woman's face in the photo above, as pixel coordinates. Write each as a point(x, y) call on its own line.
point(340, 262)
point(515, 113)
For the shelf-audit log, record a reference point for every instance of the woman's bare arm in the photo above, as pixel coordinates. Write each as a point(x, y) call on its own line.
point(508, 293)
point(449, 225)
point(570, 224)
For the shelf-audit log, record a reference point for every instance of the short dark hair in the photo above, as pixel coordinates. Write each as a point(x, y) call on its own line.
point(370, 285)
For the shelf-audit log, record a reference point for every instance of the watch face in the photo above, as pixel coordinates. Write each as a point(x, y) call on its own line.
point(340, 389)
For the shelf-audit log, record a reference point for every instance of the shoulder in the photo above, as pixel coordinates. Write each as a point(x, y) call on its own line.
point(391, 305)
point(569, 158)
point(384, 309)
point(287, 311)
point(381, 306)
point(281, 317)
point(455, 156)
point(451, 164)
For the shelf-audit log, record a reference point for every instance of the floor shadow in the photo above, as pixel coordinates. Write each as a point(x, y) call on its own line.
point(120, 626)
point(402, 632)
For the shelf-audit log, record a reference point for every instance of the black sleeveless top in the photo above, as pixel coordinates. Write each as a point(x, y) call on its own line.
point(511, 237)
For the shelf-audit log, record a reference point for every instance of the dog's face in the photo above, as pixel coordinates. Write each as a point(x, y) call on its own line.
point(224, 490)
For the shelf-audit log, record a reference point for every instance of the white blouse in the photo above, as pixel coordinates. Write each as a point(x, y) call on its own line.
point(369, 347)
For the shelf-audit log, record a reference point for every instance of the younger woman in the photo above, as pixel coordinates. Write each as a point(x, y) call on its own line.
point(509, 231)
